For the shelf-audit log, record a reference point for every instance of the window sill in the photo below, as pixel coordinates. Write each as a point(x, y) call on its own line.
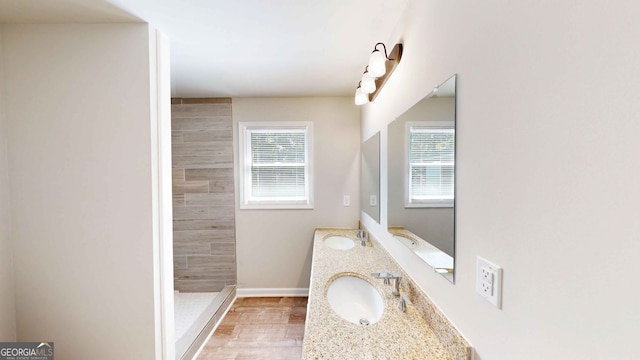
point(276, 207)
point(435, 204)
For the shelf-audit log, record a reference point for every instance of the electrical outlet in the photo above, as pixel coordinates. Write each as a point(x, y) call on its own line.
point(346, 200)
point(489, 281)
point(373, 200)
point(486, 281)
point(486, 288)
point(486, 273)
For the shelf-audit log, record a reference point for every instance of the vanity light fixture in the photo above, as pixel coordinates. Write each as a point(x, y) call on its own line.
point(380, 67)
point(361, 96)
point(368, 83)
point(377, 60)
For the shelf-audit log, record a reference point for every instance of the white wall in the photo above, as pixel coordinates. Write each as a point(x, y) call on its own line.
point(274, 246)
point(370, 177)
point(7, 302)
point(80, 158)
point(548, 169)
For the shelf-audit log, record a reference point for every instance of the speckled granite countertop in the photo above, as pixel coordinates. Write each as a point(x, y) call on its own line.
point(398, 335)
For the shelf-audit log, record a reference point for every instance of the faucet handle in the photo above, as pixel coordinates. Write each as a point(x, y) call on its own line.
point(405, 298)
point(384, 275)
point(404, 301)
point(392, 275)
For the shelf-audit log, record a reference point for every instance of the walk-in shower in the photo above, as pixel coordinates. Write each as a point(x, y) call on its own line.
point(203, 217)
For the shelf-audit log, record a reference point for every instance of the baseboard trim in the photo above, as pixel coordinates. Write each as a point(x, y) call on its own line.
point(271, 292)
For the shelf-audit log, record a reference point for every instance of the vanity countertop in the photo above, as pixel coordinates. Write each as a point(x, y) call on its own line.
point(398, 335)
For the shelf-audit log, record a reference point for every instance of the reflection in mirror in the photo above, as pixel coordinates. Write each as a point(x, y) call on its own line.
point(421, 205)
point(370, 177)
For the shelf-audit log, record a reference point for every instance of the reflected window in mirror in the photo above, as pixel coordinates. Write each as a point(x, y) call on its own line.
point(421, 178)
point(431, 161)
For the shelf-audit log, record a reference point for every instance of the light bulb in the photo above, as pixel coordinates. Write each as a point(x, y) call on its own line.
point(368, 83)
point(377, 61)
point(361, 97)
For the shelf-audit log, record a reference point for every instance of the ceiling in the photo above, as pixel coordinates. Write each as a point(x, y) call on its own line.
point(244, 48)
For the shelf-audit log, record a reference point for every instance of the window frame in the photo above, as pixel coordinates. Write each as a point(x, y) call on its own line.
point(409, 202)
point(245, 162)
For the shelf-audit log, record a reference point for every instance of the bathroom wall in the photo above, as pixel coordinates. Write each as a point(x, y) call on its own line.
point(203, 201)
point(548, 169)
point(7, 301)
point(274, 246)
point(81, 139)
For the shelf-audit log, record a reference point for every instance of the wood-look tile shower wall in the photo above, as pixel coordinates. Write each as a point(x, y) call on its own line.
point(204, 256)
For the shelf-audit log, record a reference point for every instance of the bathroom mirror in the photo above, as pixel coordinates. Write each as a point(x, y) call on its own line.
point(421, 178)
point(370, 177)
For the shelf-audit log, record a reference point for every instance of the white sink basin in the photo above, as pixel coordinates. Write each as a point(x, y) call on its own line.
point(339, 242)
point(355, 300)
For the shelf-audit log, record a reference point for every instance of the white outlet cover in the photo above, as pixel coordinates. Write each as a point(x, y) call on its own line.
point(489, 281)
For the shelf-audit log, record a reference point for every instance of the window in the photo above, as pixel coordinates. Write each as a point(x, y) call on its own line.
point(275, 161)
point(431, 162)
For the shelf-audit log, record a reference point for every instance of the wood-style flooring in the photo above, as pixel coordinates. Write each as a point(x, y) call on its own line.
point(259, 328)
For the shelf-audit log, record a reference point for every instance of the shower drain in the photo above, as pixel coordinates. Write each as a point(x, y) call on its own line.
point(364, 321)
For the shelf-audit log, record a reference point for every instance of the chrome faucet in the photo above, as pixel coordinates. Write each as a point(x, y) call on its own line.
point(362, 236)
point(390, 276)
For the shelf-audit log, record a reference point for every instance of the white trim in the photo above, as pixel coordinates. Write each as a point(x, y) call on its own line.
point(271, 292)
point(160, 119)
point(446, 124)
point(429, 204)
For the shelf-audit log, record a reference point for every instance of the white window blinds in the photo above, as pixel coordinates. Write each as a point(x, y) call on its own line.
point(276, 165)
point(431, 164)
